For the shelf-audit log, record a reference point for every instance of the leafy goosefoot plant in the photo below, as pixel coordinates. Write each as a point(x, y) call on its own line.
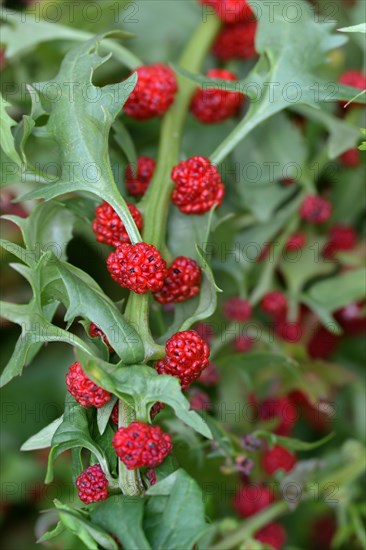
point(128, 376)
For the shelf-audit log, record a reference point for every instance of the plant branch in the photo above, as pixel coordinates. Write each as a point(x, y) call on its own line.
point(129, 480)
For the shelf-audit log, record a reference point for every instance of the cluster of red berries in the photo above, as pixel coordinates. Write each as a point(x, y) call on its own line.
point(213, 104)
point(341, 239)
point(140, 445)
point(356, 79)
point(186, 357)
point(181, 283)
point(237, 309)
point(278, 458)
point(92, 485)
point(315, 209)
point(138, 178)
point(274, 303)
point(154, 92)
point(236, 41)
point(283, 410)
point(96, 332)
point(198, 186)
point(230, 11)
point(296, 242)
point(108, 226)
point(84, 390)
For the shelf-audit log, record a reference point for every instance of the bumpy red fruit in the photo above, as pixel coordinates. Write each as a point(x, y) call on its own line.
point(210, 376)
point(350, 158)
point(252, 499)
point(278, 458)
point(85, 391)
point(315, 209)
point(273, 535)
point(211, 104)
point(230, 11)
point(237, 309)
point(108, 226)
point(356, 79)
point(323, 344)
point(141, 445)
point(341, 238)
point(243, 344)
point(236, 41)
point(138, 267)
point(181, 283)
point(289, 331)
point(274, 303)
point(92, 485)
point(297, 241)
point(198, 186)
point(96, 332)
point(282, 409)
point(154, 92)
point(137, 182)
point(186, 357)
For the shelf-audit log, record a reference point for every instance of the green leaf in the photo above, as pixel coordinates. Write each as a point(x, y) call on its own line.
point(354, 28)
point(104, 413)
point(91, 535)
point(86, 299)
point(290, 443)
point(122, 516)
point(124, 140)
point(42, 439)
point(74, 432)
point(176, 504)
point(7, 138)
point(81, 128)
point(337, 292)
point(49, 535)
point(144, 386)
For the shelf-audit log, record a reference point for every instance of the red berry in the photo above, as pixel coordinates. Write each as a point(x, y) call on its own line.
point(230, 11)
point(199, 400)
point(274, 303)
point(141, 445)
point(356, 79)
point(237, 309)
point(289, 331)
point(282, 409)
point(252, 499)
point(215, 104)
point(85, 391)
point(108, 226)
point(154, 92)
point(341, 238)
point(181, 283)
point(352, 318)
point(205, 331)
point(138, 267)
point(138, 182)
point(273, 535)
point(186, 357)
point(92, 485)
point(210, 376)
point(350, 158)
point(315, 209)
point(198, 186)
point(286, 182)
point(323, 344)
point(297, 241)
point(114, 414)
point(278, 458)
point(264, 253)
point(236, 41)
point(322, 532)
point(243, 344)
point(96, 332)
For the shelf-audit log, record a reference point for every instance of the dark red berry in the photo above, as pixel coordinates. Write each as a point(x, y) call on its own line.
point(281, 409)
point(350, 158)
point(199, 400)
point(114, 414)
point(352, 318)
point(297, 241)
point(205, 331)
point(236, 41)
point(323, 344)
point(230, 11)
point(322, 532)
point(289, 331)
point(210, 376)
point(274, 303)
point(315, 209)
point(141, 445)
point(85, 391)
point(181, 283)
point(341, 238)
point(243, 344)
point(154, 92)
point(96, 332)
point(272, 535)
point(252, 499)
point(198, 186)
point(215, 104)
point(138, 267)
point(278, 458)
point(356, 79)
point(237, 309)
point(138, 182)
point(186, 357)
point(286, 182)
point(92, 485)
point(108, 226)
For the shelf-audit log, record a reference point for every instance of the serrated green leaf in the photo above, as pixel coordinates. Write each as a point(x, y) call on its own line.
point(122, 516)
point(43, 438)
point(354, 28)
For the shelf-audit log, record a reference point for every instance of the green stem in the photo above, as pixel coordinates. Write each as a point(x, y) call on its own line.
point(251, 526)
point(155, 203)
point(129, 480)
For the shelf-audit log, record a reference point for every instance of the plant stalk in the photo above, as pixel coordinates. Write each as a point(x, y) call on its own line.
point(129, 480)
